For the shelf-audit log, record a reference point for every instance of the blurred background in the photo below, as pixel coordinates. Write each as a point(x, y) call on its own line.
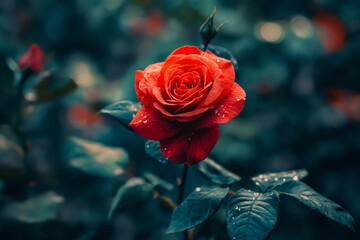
point(299, 63)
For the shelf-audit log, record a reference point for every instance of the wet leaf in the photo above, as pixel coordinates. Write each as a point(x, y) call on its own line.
point(152, 148)
point(133, 191)
point(36, 209)
point(95, 158)
point(268, 181)
point(216, 173)
point(197, 208)
point(315, 201)
point(122, 111)
point(252, 215)
point(158, 182)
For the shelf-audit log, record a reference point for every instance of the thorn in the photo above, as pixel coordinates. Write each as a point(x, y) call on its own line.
point(213, 14)
point(178, 180)
point(168, 201)
point(156, 194)
point(221, 25)
point(191, 233)
point(231, 192)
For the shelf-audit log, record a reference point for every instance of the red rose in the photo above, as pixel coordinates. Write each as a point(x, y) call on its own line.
point(33, 58)
point(185, 98)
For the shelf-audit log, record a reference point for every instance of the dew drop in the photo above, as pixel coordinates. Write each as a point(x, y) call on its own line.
point(256, 194)
point(236, 207)
point(266, 179)
point(189, 139)
point(217, 60)
point(276, 179)
point(284, 179)
point(296, 178)
point(145, 121)
point(257, 183)
point(223, 116)
point(216, 111)
point(238, 99)
point(261, 176)
point(147, 146)
point(165, 149)
point(198, 189)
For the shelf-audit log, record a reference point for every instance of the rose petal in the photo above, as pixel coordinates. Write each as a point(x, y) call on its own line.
point(190, 147)
point(145, 81)
point(186, 50)
point(181, 117)
point(151, 124)
point(228, 108)
point(222, 85)
point(33, 58)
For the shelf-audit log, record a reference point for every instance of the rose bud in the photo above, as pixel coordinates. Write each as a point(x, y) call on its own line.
point(185, 99)
point(33, 58)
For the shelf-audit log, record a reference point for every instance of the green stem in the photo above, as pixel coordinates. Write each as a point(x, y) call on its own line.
point(19, 124)
point(181, 192)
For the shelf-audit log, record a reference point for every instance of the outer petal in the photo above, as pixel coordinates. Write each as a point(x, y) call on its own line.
point(190, 147)
point(151, 124)
point(222, 85)
point(145, 81)
point(186, 50)
point(181, 117)
point(228, 108)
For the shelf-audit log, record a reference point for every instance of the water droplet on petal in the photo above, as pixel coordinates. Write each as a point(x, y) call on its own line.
point(217, 60)
point(223, 116)
point(145, 121)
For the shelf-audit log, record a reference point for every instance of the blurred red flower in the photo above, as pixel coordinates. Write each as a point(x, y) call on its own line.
point(185, 98)
point(33, 58)
point(330, 30)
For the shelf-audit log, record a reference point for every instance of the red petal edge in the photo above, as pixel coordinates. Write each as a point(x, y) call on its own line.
point(228, 108)
point(151, 124)
point(190, 147)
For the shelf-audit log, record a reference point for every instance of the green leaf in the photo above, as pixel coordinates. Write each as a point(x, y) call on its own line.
point(197, 207)
point(268, 181)
point(133, 191)
point(95, 158)
point(152, 148)
point(44, 93)
point(158, 182)
point(252, 215)
point(122, 111)
point(315, 201)
point(37, 209)
point(216, 173)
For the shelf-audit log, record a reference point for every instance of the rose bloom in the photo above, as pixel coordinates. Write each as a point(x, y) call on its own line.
point(185, 99)
point(33, 58)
